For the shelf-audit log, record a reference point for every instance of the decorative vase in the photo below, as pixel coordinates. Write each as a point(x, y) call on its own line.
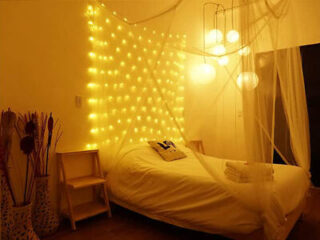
point(45, 220)
point(6, 208)
point(22, 228)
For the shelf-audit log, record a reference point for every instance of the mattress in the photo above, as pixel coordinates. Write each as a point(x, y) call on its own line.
point(182, 192)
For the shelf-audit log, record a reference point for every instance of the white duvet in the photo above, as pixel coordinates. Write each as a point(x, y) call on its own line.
point(181, 192)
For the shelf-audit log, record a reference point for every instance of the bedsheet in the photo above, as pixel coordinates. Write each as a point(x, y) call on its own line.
point(182, 192)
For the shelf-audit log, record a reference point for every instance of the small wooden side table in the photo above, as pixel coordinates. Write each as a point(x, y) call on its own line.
point(94, 179)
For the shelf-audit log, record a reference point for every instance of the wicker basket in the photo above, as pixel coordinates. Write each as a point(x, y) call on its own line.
point(22, 228)
point(6, 208)
point(45, 220)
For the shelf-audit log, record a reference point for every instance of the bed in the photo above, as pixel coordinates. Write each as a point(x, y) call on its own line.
point(182, 192)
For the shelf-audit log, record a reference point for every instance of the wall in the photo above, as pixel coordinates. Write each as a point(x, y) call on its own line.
point(43, 62)
point(43, 66)
point(298, 27)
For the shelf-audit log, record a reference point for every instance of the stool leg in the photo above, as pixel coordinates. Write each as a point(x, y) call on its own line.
point(106, 200)
point(71, 217)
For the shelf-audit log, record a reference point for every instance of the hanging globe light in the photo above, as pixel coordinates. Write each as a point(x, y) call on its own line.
point(203, 73)
point(245, 51)
point(232, 36)
point(218, 50)
point(223, 61)
point(247, 80)
point(214, 36)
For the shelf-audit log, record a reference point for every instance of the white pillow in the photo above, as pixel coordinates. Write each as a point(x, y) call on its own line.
point(167, 150)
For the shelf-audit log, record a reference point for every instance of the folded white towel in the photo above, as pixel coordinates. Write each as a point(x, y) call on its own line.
point(238, 166)
point(236, 177)
point(241, 172)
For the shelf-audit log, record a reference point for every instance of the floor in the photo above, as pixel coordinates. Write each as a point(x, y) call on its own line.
point(127, 225)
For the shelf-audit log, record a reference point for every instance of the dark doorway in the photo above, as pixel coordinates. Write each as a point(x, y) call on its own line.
point(311, 71)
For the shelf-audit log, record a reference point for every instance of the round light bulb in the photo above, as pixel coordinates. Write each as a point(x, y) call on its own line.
point(203, 73)
point(214, 36)
point(223, 61)
point(232, 36)
point(218, 50)
point(245, 51)
point(247, 80)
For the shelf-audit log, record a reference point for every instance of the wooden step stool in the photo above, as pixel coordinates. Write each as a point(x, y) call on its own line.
point(94, 179)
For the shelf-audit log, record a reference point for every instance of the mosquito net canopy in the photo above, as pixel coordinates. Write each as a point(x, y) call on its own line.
point(225, 72)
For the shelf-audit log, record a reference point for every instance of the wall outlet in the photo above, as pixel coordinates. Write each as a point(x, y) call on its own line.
point(78, 101)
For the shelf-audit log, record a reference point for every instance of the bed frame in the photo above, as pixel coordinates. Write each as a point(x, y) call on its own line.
point(292, 218)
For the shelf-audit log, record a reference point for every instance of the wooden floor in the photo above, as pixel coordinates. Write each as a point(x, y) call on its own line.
point(126, 225)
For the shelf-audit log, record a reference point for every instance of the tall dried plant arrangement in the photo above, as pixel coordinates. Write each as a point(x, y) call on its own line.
point(42, 132)
point(27, 145)
point(40, 127)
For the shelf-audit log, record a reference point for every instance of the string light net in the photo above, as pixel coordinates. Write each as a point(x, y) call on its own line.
point(186, 70)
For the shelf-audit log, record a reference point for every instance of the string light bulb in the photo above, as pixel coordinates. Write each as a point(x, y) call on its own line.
point(133, 68)
point(214, 36)
point(233, 36)
point(247, 80)
point(223, 61)
point(245, 51)
point(218, 50)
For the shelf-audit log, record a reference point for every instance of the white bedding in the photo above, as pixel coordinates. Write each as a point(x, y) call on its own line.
point(181, 192)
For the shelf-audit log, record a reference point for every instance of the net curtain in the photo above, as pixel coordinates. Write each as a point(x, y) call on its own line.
point(280, 79)
point(295, 105)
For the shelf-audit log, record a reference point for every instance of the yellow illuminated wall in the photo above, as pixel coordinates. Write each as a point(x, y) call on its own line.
point(43, 66)
point(136, 73)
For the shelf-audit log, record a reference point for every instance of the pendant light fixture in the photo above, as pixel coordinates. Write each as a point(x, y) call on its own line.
point(247, 80)
point(245, 51)
point(218, 50)
point(232, 35)
point(214, 36)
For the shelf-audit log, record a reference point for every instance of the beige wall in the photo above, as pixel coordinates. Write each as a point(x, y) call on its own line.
point(43, 63)
point(301, 24)
point(298, 27)
point(43, 66)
